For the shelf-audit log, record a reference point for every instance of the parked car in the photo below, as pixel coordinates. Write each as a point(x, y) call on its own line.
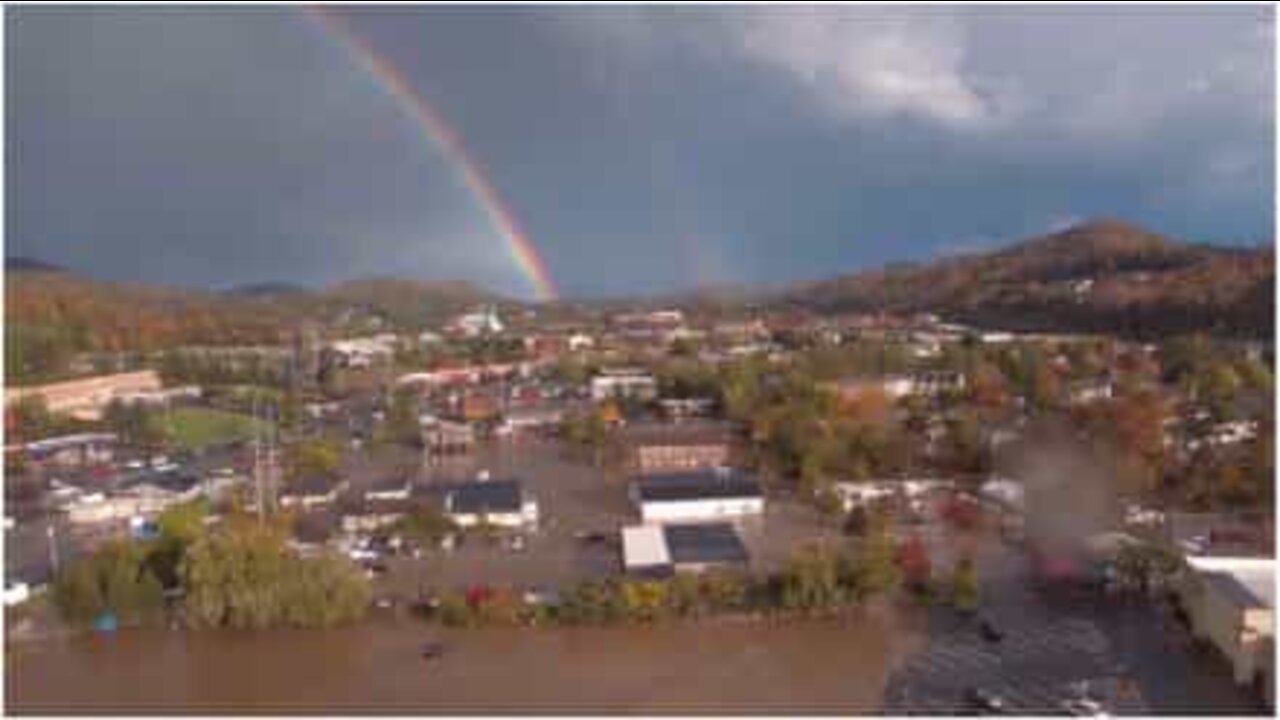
point(984, 701)
point(1084, 707)
point(989, 631)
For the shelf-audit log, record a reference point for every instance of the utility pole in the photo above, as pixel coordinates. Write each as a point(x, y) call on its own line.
point(257, 460)
point(53, 549)
point(271, 454)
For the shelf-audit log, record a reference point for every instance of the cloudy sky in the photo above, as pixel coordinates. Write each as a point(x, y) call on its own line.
point(641, 149)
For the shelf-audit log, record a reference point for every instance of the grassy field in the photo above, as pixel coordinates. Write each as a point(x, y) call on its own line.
point(195, 427)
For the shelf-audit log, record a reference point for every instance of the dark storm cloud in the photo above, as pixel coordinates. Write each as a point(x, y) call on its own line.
point(642, 148)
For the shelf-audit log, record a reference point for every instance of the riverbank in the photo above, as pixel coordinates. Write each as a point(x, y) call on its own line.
point(833, 665)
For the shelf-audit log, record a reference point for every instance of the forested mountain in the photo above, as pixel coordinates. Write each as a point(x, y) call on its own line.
point(1101, 276)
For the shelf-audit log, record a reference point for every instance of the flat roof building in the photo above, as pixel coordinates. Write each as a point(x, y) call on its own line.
point(661, 550)
point(697, 495)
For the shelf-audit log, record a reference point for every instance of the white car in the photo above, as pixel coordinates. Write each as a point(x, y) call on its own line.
point(16, 592)
point(1084, 707)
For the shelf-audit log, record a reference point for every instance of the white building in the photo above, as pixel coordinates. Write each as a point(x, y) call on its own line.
point(364, 352)
point(580, 341)
point(661, 550)
point(1231, 603)
point(484, 321)
point(624, 382)
point(498, 502)
point(713, 494)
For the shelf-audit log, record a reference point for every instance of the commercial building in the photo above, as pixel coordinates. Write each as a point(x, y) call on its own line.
point(664, 448)
point(697, 495)
point(76, 450)
point(623, 382)
point(86, 398)
point(661, 550)
point(502, 503)
point(311, 491)
point(1231, 604)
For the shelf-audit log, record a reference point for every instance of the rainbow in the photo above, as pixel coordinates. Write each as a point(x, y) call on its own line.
point(443, 136)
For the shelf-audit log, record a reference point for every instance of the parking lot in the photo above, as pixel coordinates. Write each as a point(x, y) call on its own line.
point(575, 499)
point(1124, 652)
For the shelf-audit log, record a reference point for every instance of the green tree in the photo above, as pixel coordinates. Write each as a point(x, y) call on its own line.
point(242, 575)
point(644, 600)
point(810, 581)
point(426, 524)
point(115, 579)
point(315, 456)
point(402, 417)
point(877, 557)
point(965, 593)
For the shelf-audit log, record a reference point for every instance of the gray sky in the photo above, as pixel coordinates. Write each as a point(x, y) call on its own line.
point(643, 149)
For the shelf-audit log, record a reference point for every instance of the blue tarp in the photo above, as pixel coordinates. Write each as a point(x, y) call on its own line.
point(106, 622)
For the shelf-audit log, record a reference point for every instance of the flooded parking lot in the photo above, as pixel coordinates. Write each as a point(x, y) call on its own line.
point(574, 497)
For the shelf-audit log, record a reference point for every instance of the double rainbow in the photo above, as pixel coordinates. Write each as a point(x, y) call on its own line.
point(437, 131)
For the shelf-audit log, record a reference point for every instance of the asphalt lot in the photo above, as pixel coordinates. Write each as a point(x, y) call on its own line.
point(574, 497)
point(1132, 659)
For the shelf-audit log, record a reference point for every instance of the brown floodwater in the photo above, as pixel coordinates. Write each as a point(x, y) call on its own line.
point(836, 666)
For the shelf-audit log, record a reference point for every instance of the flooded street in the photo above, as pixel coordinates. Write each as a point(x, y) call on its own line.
point(817, 666)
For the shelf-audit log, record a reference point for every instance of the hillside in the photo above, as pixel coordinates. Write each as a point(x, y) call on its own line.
point(50, 316)
point(1101, 276)
point(26, 264)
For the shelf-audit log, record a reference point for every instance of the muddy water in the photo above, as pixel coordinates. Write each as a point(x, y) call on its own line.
point(814, 666)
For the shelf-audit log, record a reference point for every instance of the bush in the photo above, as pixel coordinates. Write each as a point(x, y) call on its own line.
point(964, 586)
point(245, 576)
point(455, 611)
point(113, 579)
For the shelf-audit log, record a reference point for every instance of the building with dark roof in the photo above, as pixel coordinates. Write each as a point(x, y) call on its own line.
point(312, 490)
point(660, 550)
point(697, 495)
point(500, 502)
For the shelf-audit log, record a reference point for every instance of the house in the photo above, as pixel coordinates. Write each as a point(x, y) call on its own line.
point(388, 487)
point(1231, 604)
point(1084, 392)
point(864, 493)
point(499, 502)
point(362, 352)
point(937, 382)
point(312, 491)
point(482, 321)
point(445, 437)
point(533, 418)
point(580, 341)
point(76, 450)
point(677, 409)
point(160, 397)
point(662, 550)
point(86, 398)
point(623, 382)
point(663, 448)
point(370, 515)
point(697, 495)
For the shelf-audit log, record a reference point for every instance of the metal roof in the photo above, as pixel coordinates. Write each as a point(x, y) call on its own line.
point(704, 543)
point(1246, 590)
point(644, 546)
point(488, 496)
point(716, 483)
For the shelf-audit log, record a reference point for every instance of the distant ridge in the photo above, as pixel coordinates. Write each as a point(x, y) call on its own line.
point(19, 263)
point(1103, 275)
point(266, 289)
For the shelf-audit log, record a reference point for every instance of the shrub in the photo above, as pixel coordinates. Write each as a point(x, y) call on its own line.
point(112, 579)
